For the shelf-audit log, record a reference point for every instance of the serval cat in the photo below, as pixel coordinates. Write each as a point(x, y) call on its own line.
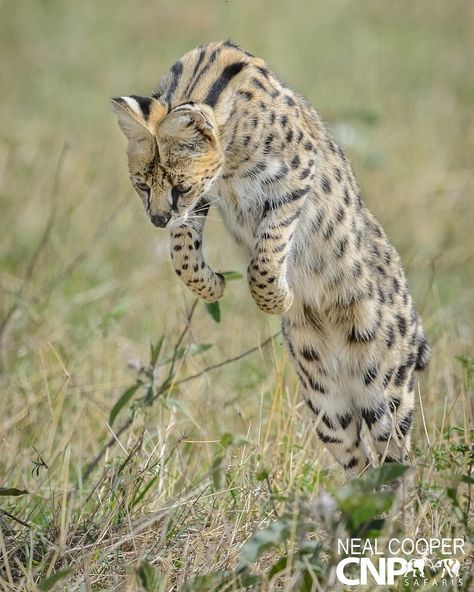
point(221, 123)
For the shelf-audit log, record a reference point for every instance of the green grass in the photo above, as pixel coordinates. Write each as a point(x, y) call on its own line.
point(211, 461)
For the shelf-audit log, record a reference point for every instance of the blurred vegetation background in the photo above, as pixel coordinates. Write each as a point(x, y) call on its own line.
point(85, 280)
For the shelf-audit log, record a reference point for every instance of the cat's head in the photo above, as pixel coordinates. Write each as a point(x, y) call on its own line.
point(173, 156)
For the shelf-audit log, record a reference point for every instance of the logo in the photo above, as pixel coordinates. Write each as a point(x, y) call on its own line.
point(436, 561)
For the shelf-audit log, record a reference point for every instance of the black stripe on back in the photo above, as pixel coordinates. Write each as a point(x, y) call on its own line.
point(201, 55)
point(144, 103)
point(219, 85)
point(176, 71)
point(233, 45)
point(212, 59)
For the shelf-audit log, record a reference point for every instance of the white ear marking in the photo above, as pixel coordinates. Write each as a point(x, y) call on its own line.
point(133, 105)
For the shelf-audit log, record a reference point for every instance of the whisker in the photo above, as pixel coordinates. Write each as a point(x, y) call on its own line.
point(189, 220)
point(215, 200)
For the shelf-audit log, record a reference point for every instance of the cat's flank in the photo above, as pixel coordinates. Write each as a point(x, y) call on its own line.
point(221, 127)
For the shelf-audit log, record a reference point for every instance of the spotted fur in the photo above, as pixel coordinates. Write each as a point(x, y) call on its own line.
point(221, 126)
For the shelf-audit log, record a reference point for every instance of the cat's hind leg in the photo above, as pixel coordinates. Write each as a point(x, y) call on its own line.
point(339, 429)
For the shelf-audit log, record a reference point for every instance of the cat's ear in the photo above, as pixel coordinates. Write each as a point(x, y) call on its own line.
point(138, 118)
point(192, 128)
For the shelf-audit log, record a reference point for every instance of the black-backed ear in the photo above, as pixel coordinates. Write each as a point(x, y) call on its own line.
point(192, 128)
point(138, 118)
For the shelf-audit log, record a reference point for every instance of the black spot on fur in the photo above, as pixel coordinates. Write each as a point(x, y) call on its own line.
point(328, 231)
point(405, 425)
point(295, 163)
point(312, 318)
point(268, 143)
point(387, 377)
point(327, 421)
point(341, 247)
point(370, 374)
point(316, 386)
point(312, 407)
point(309, 354)
point(258, 84)
point(380, 295)
point(344, 420)
point(246, 94)
point(257, 168)
point(361, 335)
point(325, 185)
point(332, 146)
point(357, 270)
point(394, 403)
point(372, 415)
point(423, 355)
point(351, 464)
point(400, 376)
point(390, 336)
point(347, 197)
point(402, 325)
point(390, 459)
point(411, 359)
point(290, 197)
point(328, 439)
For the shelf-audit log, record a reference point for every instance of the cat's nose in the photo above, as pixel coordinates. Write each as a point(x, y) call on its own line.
point(160, 220)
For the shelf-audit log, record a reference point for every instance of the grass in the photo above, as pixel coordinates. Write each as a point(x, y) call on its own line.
point(202, 469)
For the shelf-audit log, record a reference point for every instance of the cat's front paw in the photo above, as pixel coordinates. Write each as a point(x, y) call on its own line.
point(269, 287)
point(277, 304)
point(271, 298)
point(205, 283)
point(214, 287)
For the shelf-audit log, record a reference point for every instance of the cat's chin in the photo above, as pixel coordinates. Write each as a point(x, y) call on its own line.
point(181, 219)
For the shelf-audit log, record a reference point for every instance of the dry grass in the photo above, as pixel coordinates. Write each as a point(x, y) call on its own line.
point(86, 286)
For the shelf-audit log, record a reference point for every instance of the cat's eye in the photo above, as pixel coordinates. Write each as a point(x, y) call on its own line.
point(143, 187)
point(182, 188)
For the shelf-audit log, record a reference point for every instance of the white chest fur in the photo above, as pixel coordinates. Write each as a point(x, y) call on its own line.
point(241, 199)
point(239, 215)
